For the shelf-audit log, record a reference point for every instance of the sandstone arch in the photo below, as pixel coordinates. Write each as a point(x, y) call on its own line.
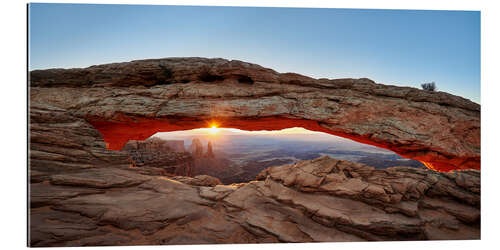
point(134, 100)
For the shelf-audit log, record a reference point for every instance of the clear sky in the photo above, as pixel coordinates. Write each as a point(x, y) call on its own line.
point(393, 47)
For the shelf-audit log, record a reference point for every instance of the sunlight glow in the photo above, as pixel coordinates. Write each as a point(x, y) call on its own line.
point(214, 130)
point(294, 130)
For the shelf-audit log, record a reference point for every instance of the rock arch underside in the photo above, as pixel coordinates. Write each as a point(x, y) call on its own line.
point(81, 118)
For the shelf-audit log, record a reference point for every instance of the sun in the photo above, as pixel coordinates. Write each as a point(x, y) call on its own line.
point(213, 130)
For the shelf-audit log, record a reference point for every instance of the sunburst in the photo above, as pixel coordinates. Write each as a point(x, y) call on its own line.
point(213, 129)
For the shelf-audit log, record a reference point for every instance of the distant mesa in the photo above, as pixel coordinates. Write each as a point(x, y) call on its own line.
point(157, 144)
point(169, 156)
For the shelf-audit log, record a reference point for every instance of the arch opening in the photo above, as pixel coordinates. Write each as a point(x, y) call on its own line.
point(238, 156)
point(118, 132)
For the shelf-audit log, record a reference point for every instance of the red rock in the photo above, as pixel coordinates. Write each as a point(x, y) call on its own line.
point(134, 100)
point(210, 152)
point(196, 148)
point(112, 206)
point(81, 193)
point(159, 153)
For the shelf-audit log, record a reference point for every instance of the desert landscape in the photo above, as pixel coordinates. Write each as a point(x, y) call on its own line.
point(106, 169)
point(235, 156)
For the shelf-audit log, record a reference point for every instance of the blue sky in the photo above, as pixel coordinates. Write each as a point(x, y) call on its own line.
point(396, 47)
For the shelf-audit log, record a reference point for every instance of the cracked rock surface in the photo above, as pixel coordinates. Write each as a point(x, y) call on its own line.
point(312, 201)
point(134, 100)
point(82, 193)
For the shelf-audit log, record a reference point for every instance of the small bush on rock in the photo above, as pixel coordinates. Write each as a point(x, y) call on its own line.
point(430, 86)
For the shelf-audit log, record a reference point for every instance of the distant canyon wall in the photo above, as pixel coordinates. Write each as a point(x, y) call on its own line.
point(172, 157)
point(157, 153)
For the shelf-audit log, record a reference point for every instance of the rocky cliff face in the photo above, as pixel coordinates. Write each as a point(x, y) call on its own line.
point(82, 193)
point(206, 163)
point(60, 142)
point(136, 99)
point(196, 148)
point(210, 153)
point(176, 145)
point(311, 201)
point(158, 153)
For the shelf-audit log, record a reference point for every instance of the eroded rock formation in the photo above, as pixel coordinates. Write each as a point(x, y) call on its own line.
point(311, 201)
point(158, 153)
point(82, 193)
point(136, 99)
point(176, 145)
point(210, 152)
point(196, 148)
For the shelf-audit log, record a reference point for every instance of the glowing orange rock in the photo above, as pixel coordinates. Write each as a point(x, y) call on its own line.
point(117, 134)
point(133, 100)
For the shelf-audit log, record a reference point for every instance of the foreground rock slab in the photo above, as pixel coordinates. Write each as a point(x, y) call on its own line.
point(311, 201)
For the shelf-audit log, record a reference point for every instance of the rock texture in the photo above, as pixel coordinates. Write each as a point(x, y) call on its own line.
point(158, 153)
point(81, 193)
point(311, 201)
point(210, 152)
point(60, 142)
point(222, 168)
point(134, 100)
point(176, 145)
point(196, 148)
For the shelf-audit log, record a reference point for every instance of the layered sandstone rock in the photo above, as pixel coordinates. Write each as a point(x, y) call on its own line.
point(136, 99)
point(196, 148)
point(199, 180)
point(62, 143)
point(222, 168)
point(210, 153)
point(311, 201)
point(158, 153)
point(176, 145)
point(82, 193)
